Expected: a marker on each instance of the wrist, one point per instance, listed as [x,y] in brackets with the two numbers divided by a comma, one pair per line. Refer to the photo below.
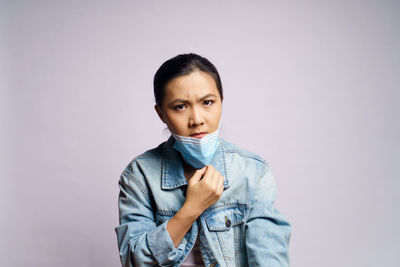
[190,212]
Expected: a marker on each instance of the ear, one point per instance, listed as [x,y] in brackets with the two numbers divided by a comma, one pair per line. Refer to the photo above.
[160,114]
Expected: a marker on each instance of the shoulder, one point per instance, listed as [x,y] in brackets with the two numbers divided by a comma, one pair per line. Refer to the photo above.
[151,153]
[230,148]
[238,156]
[149,159]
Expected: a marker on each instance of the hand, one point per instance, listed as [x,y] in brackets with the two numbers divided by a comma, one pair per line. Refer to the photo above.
[204,189]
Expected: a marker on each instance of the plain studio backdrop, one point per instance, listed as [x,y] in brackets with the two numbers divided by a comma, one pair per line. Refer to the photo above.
[311,86]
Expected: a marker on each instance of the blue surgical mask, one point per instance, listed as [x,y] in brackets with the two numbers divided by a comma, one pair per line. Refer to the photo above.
[197,152]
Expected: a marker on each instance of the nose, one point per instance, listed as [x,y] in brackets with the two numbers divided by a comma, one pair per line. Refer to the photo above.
[196,117]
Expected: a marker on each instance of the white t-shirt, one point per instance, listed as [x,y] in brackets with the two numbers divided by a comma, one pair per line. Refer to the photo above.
[194,258]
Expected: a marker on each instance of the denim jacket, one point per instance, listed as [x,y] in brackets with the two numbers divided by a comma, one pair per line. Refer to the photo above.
[243,228]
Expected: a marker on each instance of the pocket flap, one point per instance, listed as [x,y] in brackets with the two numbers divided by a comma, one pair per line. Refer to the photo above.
[223,218]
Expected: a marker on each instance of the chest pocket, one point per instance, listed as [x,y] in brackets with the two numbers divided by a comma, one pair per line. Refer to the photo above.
[226,218]
[226,226]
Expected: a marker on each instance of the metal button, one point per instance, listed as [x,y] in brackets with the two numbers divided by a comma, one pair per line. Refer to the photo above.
[228,223]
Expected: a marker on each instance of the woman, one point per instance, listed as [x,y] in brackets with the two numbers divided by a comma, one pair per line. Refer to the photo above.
[196,199]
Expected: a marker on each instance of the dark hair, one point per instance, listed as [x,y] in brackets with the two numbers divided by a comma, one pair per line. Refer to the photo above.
[180,65]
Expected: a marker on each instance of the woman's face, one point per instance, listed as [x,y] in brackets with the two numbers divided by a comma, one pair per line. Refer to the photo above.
[192,105]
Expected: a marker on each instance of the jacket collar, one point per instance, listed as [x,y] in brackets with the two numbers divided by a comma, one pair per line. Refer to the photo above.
[172,174]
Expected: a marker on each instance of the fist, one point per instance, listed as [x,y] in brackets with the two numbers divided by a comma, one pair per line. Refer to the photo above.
[204,189]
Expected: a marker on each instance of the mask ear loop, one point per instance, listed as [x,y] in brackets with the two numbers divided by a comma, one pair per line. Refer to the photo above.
[219,125]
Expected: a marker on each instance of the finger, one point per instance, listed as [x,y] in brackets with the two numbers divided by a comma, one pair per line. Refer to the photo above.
[208,175]
[221,189]
[198,174]
[216,179]
[221,183]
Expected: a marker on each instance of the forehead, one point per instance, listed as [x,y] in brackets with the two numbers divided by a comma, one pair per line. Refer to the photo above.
[194,84]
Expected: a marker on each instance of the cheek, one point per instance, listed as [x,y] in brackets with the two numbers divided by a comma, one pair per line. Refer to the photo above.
[215,116]
[175,121]
[216,111]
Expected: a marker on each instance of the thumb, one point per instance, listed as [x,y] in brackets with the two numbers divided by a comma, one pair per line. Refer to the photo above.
[198,174]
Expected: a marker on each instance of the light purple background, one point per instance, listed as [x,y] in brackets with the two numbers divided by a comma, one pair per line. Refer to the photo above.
[312,86]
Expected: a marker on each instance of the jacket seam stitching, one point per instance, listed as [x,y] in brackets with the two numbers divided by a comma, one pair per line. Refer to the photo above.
[265,170]
[246,155]
[136,181]
[147,156]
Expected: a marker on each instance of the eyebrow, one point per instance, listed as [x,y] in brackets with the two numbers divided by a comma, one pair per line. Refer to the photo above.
[198,100]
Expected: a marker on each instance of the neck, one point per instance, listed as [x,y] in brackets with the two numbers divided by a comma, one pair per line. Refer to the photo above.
[187,169]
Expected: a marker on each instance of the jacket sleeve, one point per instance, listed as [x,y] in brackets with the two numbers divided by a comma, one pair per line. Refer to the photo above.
[140,241]
[267,231]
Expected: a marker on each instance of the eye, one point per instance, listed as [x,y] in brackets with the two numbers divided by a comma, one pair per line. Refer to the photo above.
[208,102]
[179,107]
